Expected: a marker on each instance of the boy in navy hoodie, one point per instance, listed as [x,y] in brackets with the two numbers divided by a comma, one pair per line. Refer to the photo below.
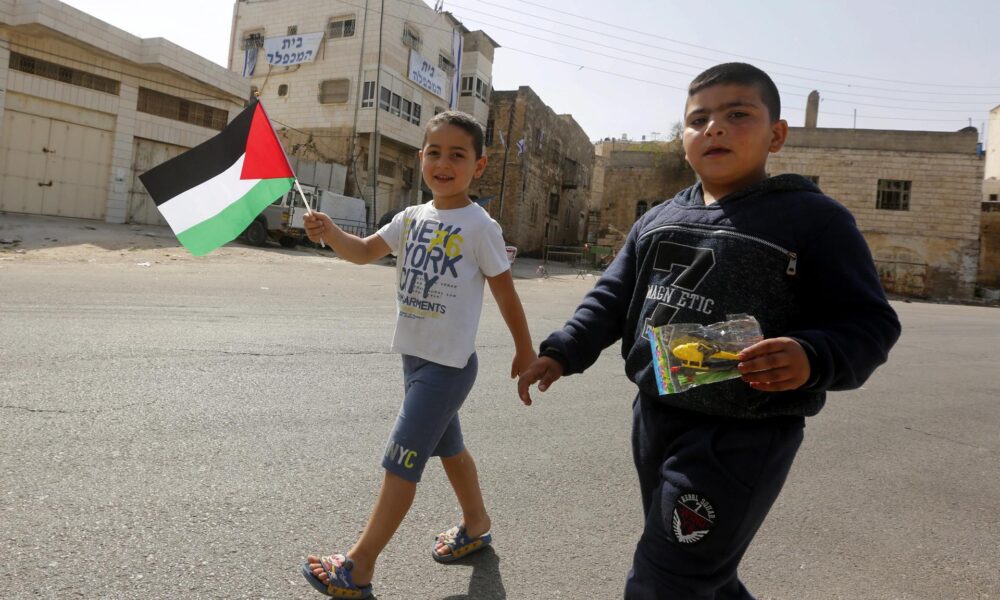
[712,460]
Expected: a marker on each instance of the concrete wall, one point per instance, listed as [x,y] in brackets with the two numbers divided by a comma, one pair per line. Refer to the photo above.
[56,33]
[930,250]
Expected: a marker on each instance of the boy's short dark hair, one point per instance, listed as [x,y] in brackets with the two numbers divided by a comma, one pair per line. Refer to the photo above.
[463,121]
[741,74]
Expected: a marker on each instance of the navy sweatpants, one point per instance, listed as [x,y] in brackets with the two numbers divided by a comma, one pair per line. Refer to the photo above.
[707,483]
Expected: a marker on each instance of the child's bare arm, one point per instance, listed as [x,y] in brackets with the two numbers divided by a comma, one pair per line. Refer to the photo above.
[775,365]
[320,227]
[502,287]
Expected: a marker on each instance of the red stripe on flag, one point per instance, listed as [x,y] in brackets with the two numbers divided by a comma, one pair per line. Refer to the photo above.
[265,158]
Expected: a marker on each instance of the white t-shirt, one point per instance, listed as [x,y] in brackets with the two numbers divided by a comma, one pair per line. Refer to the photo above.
[441,268]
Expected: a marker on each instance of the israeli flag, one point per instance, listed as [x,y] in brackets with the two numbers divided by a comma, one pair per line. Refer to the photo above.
[250,60]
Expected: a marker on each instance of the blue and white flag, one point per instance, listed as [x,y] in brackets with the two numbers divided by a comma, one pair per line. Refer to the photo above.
[250,60]
[520,146]
[456,81]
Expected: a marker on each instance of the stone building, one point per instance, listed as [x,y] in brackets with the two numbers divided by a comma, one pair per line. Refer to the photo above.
[915,195]
[538,178]
[86,107]
[371,72]
[630,177]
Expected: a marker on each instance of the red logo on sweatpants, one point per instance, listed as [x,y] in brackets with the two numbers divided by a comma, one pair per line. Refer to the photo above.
[693,518]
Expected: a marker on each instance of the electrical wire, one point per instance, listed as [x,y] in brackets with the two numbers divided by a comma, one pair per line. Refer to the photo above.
[661,37]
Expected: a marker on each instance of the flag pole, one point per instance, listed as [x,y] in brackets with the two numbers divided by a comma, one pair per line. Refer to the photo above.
[309,209]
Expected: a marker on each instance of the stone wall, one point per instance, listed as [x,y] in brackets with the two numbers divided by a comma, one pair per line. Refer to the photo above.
[539,196]
[931,249]
[634,177]
[989,246]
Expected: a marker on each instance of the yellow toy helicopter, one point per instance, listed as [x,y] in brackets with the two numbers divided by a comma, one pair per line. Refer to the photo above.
[703,357]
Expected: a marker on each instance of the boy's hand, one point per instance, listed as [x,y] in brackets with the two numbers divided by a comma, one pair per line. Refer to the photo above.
[316,225]
[544,370]
[522,361]
[775,365]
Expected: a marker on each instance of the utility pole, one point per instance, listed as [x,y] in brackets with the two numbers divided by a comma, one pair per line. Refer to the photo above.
[352,146]
[375,143]
[506,150]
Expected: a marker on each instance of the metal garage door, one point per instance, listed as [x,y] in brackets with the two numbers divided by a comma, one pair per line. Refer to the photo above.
[146,155]
[53,167]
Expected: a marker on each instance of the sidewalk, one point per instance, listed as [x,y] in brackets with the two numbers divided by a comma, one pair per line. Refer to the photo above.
[36,237]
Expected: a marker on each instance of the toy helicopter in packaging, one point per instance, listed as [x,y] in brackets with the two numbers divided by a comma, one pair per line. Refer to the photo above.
[688,354]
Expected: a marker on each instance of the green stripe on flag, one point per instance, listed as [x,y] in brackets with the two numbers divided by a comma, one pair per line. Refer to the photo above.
[234,219]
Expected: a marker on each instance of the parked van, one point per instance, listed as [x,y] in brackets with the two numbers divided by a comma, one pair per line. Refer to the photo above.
[282,221]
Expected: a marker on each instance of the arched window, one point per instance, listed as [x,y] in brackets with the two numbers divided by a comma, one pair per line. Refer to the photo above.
[640,208]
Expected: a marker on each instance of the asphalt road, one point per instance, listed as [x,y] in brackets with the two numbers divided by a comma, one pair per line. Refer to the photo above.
[194,429]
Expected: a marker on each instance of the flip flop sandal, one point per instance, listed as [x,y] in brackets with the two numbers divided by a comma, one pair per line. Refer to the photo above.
[460,543]
[338,574]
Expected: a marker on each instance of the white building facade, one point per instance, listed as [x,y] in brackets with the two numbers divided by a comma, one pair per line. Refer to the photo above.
[991,170]
[367,72]
[86,107]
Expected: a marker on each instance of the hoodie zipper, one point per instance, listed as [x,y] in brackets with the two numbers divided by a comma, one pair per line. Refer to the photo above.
[793,259]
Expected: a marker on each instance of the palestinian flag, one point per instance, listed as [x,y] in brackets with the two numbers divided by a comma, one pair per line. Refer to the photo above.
[212,192]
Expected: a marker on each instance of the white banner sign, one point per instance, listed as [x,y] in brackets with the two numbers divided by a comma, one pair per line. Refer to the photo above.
[428,75]
[292,49]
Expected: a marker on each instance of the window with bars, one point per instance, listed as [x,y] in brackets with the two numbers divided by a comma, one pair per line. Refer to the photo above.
[553,204]
[488,137]
[171,107]
[293,30]
[893,194]
[368,95]
[386,167]
[445,64]
[334,91]
[253,40]
[42,68]
[340,27]
[411,37]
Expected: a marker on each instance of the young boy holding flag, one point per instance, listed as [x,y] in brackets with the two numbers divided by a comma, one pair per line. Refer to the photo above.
[446,249]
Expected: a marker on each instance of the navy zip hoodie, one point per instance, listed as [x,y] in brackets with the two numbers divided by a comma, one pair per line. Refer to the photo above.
[781,251]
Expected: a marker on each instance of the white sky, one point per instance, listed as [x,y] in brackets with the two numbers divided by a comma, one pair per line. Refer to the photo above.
[915,64]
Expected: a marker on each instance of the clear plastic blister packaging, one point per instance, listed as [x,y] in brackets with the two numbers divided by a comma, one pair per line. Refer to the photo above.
[687,355]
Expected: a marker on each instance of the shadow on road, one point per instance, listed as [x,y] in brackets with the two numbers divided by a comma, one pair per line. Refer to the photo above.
[485,582]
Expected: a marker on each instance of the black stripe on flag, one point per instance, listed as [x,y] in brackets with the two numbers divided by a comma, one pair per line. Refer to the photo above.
[201,163]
